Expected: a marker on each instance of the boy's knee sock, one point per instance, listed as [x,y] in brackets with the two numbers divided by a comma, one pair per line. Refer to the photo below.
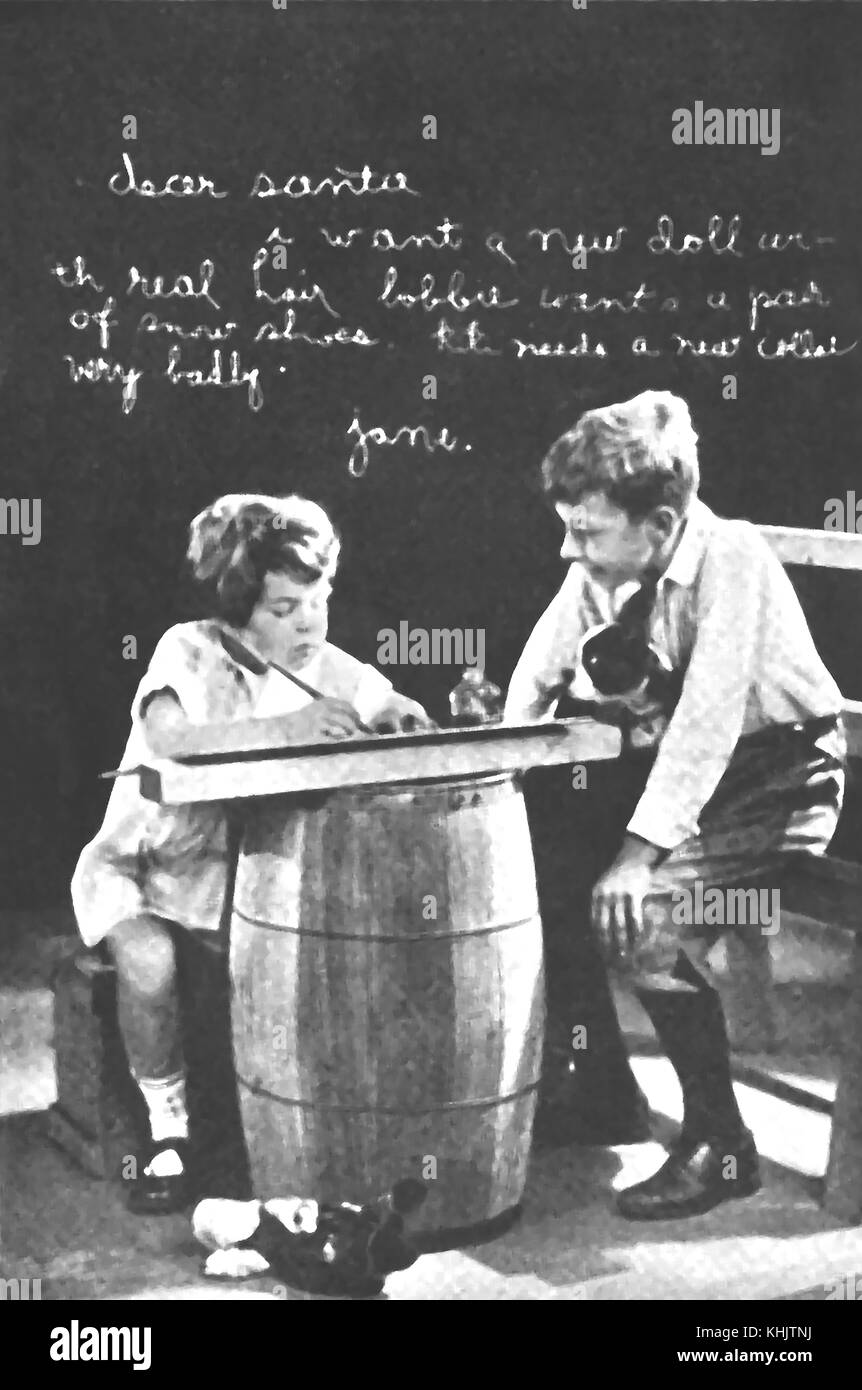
[691,1030]
[580,997]
[166,1102]
[602,1065]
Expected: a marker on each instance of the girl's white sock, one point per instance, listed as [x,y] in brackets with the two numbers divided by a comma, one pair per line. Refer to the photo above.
[166,1103]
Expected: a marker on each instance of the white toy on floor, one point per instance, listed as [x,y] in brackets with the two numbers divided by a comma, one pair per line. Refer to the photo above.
[342,1250]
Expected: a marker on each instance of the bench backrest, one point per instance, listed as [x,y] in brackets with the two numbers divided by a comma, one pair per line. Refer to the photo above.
[839,550]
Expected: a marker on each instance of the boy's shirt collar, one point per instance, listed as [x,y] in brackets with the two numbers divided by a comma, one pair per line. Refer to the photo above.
[686,559]
[682,570]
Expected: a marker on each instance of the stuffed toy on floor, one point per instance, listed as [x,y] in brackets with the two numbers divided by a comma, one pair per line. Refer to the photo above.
[342,1251]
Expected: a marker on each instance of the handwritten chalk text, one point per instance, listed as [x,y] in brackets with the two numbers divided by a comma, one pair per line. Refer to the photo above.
[360,454]
[100,369]
[759,300]
[205,188]
[151,323]
[631,302]
[346,337]
[82,319]
[300,185]
[692,245]
[217,375]
[580,245]
[781,241]
[582,348]
[429,300]
[306,295]
[81,276]
[801,345]
[460,340]
[183,288]
[383,240]
[727,347]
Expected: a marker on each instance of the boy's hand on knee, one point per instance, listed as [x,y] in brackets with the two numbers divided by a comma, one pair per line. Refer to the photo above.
[618,898]
[618,907]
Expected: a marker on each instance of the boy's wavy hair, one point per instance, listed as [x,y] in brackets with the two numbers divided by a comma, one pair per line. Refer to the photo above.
[242,537]
[641,454]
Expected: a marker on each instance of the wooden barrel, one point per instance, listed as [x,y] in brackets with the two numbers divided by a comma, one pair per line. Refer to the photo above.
[388,995]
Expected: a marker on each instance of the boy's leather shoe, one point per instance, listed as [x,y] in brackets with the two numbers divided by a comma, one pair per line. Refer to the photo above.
[693,1179]
[156,1196]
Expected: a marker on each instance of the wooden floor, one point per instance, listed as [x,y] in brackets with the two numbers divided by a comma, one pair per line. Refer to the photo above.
[75,1234]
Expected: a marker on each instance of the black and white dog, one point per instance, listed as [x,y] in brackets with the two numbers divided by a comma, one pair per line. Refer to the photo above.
[342,1251]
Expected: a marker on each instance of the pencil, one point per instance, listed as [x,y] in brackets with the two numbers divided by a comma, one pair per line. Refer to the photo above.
[259,663]
[256,663]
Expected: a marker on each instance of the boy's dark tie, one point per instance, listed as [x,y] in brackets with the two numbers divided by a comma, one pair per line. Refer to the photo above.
[618,658]
[635,614]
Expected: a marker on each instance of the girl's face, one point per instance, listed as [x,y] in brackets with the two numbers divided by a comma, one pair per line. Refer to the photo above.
[290,620]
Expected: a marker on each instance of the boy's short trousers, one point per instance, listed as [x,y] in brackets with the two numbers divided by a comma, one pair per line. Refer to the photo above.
[781,794]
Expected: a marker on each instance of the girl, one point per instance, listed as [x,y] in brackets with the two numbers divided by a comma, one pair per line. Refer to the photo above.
[265,566]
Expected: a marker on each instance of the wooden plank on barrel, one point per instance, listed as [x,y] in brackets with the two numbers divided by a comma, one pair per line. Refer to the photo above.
[246,738]
[378,762]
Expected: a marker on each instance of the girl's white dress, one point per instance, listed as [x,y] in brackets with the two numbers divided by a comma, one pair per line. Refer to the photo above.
[173,861]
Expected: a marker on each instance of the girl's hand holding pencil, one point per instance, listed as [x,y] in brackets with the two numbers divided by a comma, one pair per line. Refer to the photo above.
[324,718]
[399,714]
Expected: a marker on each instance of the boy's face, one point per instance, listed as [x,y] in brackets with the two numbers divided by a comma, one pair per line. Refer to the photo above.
[290,621]
[611,547]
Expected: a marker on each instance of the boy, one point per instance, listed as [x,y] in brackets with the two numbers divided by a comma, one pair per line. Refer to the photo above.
[749,756]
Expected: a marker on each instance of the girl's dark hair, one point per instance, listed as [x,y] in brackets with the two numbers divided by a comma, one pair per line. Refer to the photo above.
[240,538]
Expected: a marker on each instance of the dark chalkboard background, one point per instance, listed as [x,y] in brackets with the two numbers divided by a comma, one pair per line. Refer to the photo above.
[546,117]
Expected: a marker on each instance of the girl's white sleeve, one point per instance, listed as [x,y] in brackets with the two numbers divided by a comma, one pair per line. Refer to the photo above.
[372,692]
[193,669]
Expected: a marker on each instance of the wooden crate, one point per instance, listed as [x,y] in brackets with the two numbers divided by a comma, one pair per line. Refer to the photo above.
[98,1107]
[100,1118]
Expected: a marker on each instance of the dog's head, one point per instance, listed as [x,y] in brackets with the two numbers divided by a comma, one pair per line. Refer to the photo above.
[615,661]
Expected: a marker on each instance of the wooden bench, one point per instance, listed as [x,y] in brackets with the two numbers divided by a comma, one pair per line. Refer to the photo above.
[828,891]
[99,1119]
